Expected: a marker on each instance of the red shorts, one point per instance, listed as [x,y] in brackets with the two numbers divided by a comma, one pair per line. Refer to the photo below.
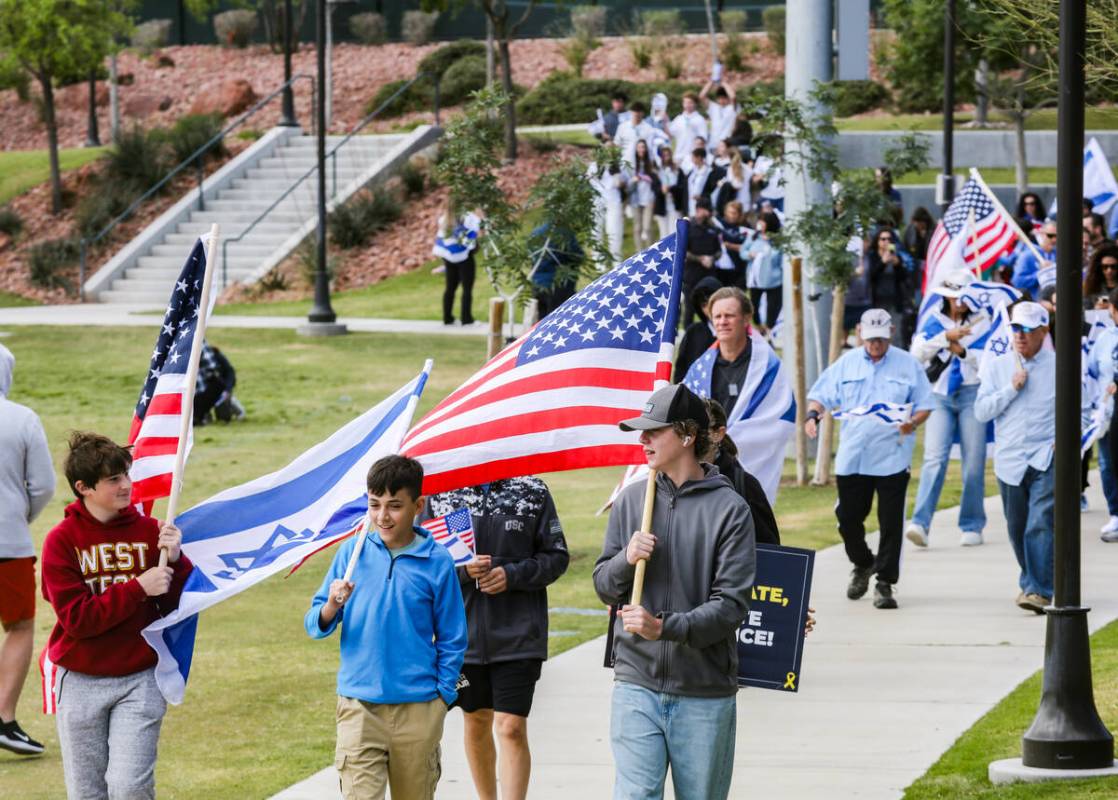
[17,589]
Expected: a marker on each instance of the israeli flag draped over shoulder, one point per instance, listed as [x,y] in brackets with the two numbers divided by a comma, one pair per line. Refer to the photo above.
[764,416]
[1098,406]
[457,247]
[241,536]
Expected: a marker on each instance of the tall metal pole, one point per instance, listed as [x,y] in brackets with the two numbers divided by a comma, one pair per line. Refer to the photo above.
[288,120]
[1067,732]
[321,311]
[947,180]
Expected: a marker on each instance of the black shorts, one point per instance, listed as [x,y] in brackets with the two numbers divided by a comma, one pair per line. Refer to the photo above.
[507,686]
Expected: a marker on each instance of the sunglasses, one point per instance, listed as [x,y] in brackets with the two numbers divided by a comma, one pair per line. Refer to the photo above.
[1021,328]
[1109,265]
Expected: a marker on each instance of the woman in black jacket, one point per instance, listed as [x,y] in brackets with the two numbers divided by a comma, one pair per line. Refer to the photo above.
[724,455]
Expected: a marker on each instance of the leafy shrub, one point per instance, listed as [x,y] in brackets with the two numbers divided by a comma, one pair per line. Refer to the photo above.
[47,261]
[191,132]
[151,35]
[640,49]
[235,28]
[576,51]
[543,144]
[464,77]
[369,28]
[420,96]
[412,178]
[561,97]
[774,18]
[139,158]
[418,26]
[274,281]
[10,221]
[352,224]
[101,206]
[733,53]
[733,21]
[14,76]
[437,62]
[671,65]
[662,23]
[306,257]
[858,97]
[588,22]
[249,134]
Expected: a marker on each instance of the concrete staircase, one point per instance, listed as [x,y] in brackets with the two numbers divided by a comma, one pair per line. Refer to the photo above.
[146,269]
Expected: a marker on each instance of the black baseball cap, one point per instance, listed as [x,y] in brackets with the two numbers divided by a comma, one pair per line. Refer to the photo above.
[674,403]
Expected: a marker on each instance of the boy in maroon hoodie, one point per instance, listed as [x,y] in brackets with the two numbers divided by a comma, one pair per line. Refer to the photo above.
[101,574]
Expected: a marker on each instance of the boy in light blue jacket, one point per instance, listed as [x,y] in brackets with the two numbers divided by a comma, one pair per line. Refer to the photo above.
[403,640]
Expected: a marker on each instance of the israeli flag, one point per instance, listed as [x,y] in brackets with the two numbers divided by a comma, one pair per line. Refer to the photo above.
[457,247]
[1099,183]
[1096,424]
[987,296]
[998,339]
[885,413]
[241,536]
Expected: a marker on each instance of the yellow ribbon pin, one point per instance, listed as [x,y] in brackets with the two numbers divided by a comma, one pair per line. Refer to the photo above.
[790,681]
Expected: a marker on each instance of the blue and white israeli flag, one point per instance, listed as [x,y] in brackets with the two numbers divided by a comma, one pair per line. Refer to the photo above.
[241,536]
[885,413]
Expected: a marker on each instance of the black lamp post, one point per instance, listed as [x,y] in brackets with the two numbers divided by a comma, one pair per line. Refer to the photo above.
[1067,732]
[322,319]
[946,185]
[288,120]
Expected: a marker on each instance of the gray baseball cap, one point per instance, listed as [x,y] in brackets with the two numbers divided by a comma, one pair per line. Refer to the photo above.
[670,404]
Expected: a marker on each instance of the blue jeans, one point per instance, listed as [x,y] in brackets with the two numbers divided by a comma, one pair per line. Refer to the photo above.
[1028,516]
[1107,476]
[954,413]
[649,730]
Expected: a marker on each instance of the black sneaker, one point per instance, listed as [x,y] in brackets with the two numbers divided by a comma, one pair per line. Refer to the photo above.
[859,582]
[883,595]
[12,737]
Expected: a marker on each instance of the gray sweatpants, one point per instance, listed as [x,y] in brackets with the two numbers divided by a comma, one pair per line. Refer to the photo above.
[108,728]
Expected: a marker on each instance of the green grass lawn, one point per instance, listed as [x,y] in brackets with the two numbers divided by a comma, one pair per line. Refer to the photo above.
[1043,120]
[21,170]
[9,300]
[239,734]
[960,774]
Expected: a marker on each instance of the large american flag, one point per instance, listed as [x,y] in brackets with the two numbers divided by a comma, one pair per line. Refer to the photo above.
[551,400]
[155,425]
[972,235]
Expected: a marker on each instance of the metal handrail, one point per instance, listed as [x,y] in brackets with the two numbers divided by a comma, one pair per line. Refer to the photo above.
[196,156]
[332,155]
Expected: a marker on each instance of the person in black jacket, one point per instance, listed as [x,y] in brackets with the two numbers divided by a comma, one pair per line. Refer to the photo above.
[723,453]
[520,551]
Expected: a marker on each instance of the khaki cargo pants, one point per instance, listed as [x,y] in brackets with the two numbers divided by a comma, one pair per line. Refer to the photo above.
[389,746]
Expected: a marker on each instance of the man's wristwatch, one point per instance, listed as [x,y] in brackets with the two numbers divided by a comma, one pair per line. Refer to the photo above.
[813,415]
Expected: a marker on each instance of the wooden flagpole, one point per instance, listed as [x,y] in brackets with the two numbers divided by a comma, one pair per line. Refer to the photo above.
[994,199]
[356,554]
[646,527]
[191,378]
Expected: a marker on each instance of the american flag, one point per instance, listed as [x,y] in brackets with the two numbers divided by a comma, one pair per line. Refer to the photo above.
[972,235]
[155,425]
[455,532]
[551,401]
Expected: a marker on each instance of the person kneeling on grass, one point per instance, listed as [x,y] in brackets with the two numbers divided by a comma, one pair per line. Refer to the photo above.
[403,641]
[102,576]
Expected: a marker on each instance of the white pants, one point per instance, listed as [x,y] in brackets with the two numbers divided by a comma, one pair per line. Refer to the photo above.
[610,221]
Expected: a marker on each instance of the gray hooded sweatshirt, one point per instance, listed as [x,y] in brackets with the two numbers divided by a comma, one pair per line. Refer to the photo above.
[698,581]
[26,473]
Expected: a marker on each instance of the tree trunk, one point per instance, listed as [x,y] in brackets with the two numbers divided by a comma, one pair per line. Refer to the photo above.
[52,143]
[510,107]
[1022,166]
[92,135]
[827,425]
[982,104]
[114,100]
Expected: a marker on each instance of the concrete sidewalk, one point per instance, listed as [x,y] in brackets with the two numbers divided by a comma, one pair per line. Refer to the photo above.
[103,314]
[884,694]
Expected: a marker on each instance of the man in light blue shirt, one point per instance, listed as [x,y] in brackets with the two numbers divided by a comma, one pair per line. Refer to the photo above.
[884,395]
[1017,390]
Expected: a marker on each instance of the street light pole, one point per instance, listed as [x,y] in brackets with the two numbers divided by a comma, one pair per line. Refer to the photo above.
[945,189]
[288,120]
[322,321]
[1067,733]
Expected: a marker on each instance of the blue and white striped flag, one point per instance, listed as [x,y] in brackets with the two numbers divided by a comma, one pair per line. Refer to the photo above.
[885,413]
[1096,424]
[1099,183]
[987,296]
[462,240]
[243,535]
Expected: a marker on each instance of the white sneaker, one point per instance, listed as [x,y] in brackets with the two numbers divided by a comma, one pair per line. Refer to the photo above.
[1110,527]
[970,539]
[917,534]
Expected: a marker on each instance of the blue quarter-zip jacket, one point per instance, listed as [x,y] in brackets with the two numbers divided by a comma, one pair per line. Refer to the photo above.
[404,626]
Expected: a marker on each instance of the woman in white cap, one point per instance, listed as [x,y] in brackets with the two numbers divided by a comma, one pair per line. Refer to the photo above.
[943,346]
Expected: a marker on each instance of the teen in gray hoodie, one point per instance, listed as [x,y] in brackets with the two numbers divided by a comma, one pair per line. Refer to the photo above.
[26,486]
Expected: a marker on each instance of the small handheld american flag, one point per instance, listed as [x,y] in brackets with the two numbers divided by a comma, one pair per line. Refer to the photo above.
[156,423]
[455,532]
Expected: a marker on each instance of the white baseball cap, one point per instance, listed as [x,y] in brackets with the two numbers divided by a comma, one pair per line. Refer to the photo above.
[955,283]
[1029,315]
[876,324]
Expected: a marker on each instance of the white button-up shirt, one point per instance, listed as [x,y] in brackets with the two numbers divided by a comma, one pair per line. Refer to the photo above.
[1025,420]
